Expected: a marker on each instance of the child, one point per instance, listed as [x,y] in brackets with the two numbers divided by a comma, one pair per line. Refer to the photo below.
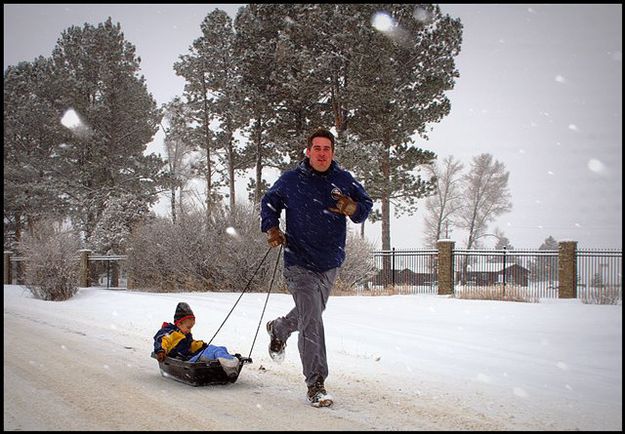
[175,340]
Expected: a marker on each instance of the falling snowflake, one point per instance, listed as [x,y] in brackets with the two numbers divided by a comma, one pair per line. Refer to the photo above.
[382,22]
[70,119]
[596,166]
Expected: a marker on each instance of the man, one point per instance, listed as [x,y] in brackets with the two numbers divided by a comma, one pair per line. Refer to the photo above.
[318,196]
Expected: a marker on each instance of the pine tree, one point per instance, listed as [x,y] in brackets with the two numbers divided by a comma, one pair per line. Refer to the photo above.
[103,158]
[257,27]
[33,138]
[212,91]
[545,268]
[178,149]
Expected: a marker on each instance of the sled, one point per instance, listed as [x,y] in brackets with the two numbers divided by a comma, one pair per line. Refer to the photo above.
[203,373]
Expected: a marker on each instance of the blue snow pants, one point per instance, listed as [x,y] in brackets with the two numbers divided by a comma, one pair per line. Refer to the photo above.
[212,352]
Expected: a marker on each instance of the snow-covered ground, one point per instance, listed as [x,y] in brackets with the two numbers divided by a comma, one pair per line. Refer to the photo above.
[422,362]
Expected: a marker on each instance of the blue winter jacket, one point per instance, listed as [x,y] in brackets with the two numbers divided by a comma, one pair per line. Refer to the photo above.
[315,236]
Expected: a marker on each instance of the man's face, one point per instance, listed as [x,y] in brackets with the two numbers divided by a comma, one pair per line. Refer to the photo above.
[320,153]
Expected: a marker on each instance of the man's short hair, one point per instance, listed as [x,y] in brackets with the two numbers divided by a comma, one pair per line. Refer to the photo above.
[321,132]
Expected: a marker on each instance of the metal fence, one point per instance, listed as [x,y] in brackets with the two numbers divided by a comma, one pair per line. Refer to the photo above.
[104,271]
[507,274]
[599,275]
[407,271]
[108,271]
[525,274]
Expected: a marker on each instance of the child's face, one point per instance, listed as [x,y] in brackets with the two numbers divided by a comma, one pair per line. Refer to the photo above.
[186,325]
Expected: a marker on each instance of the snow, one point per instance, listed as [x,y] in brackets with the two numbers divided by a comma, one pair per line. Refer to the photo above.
[70,119]
[396,362]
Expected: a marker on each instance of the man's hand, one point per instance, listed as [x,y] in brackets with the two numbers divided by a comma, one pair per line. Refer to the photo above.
[160,356]
[275,237]
[345,205]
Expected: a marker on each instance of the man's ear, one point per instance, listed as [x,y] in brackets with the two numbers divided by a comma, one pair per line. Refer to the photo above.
[308,152]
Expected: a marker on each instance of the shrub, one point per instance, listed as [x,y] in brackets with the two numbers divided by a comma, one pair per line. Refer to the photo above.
[193,255]
[358,266]
[52,265]
[196,255]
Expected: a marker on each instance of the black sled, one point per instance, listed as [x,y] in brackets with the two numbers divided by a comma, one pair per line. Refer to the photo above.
[199,373]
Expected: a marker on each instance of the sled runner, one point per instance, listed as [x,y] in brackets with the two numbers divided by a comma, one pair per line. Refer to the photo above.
[199,373]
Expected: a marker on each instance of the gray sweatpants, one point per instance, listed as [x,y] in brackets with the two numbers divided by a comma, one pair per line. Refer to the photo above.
[310,290]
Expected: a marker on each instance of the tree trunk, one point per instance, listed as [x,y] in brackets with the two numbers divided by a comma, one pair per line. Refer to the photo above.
[180,207]
[386,200]
[231,170]
[207,139]
[259,160]
[173,205]
[18,227]
[387,266]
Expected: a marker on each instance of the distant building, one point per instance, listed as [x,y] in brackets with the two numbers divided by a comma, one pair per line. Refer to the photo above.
[492,273]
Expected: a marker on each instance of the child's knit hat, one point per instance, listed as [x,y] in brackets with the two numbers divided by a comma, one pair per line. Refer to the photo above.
[183,311]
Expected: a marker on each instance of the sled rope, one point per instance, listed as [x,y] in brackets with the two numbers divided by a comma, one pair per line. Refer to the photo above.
[243,292]
[245,289]
[260,321]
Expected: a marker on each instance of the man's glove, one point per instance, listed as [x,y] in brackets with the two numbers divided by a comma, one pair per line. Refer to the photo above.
[275,237]
[160,356]
[345,205]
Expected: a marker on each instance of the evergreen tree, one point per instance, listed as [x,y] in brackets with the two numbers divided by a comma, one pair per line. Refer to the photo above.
[33,136]
[120,217]
[103,159]
[545,267]
[300,89]
[212,91]
[400,89]
[256,28]
[178,148]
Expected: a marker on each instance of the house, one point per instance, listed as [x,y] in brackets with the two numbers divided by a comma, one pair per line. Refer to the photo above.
[492,273]
[405,277]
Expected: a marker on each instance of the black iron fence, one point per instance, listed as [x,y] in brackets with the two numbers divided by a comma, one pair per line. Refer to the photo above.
[524,274]
[407,271]
[108,271]
[599,275]
[515,274]
[102,270]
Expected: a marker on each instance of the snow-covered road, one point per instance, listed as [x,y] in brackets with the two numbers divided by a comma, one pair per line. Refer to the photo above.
[81,380]
[84,365]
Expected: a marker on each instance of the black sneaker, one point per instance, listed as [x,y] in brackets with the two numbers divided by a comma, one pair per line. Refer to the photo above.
[318,397]
[276,346]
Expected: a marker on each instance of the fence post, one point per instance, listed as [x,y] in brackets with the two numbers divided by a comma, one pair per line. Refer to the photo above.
[393,268]
[567,269]
[7,267]
[445,267]
[84,267]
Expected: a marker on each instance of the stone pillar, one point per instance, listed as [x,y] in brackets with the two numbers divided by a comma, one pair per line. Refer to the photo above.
[84,267]
[7,267]
[567,269]
[445,267]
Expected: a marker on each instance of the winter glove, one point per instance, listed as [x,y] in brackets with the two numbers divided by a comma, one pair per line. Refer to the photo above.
[345,205]
[160,356]
[275,237]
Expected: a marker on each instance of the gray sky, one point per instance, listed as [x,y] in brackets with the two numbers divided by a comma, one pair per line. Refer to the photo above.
[540,89]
